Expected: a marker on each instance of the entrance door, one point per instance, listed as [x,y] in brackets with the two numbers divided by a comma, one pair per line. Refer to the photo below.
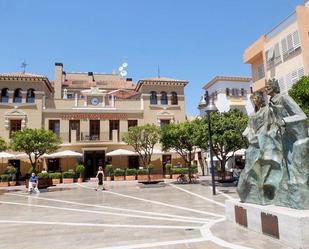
[165,159]
[53,164]
[133,162]
[93,160]
[16,165]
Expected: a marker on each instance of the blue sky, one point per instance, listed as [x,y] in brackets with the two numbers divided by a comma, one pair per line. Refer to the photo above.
[193,40]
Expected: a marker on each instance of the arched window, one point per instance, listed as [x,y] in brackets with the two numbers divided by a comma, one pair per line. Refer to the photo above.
[5,95]
[164,100]
[17,96]
[174,98]
[30,96]
[153,98]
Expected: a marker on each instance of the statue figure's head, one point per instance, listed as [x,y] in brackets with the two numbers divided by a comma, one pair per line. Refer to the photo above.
[272,87]
[258,100]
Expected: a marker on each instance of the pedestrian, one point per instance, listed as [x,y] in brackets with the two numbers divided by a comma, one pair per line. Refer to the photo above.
[100,176]
[33,183]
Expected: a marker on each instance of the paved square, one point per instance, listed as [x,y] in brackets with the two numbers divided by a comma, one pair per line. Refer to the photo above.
[124,216]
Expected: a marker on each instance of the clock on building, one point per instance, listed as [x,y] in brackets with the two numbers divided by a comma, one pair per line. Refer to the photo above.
[94,101]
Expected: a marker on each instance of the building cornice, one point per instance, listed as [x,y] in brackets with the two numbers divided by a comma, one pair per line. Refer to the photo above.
[160,82]
[240,79]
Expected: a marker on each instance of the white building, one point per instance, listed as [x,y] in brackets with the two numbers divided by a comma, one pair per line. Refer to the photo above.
[228,93]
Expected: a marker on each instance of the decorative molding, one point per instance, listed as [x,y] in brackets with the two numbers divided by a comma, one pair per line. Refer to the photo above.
[15,114]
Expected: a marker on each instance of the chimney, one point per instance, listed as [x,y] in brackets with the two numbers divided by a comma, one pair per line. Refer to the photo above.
[58,80]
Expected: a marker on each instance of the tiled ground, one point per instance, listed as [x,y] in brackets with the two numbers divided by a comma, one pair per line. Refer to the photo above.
[124,216]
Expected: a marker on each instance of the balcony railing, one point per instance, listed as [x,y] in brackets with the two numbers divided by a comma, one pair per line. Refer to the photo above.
[87,137]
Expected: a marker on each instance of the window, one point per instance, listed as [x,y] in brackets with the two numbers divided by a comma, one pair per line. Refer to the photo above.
[242,92]
[227,91]
[15,125]
[17,96]
[54,125]
[113,125]
[94,128]
[164,122]
[174,98]
[30,96]
[163,99]
[132,123]
[74,125]
[5,95]
[290,43]
[260,72]
[153,98]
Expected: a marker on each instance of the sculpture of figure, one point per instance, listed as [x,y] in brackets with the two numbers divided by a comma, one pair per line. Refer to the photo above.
[277,165]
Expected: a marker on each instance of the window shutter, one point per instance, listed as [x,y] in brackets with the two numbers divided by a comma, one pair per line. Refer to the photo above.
[289,81]
[290,43]
[282,85]
[277,53]
[296,41]
[284,47]
[294,77]
[301,73]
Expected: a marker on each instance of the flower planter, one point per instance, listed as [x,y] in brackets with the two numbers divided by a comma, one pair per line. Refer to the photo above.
[43,183]
[118,178]
[12,183]
[130,178]
[80,180]
[142,177]
[4,184]
[108,178]
[56,181]
[67,180]
[175,176]
[156,177]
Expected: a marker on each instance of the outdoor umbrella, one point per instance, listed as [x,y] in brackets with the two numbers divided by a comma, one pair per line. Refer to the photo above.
[6,155]
[121,152]
[64,154]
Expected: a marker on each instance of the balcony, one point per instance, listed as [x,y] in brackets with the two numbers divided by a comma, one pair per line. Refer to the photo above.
[87,137]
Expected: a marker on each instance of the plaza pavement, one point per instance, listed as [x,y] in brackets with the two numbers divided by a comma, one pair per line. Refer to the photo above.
[123,216]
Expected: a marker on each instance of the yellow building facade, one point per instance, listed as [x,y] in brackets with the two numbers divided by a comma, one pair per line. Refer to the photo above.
[90,112]
[282,53]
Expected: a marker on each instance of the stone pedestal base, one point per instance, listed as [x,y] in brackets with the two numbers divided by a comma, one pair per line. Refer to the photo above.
[290,226]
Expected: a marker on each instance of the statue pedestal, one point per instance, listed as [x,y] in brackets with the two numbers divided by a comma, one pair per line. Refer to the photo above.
[289,226]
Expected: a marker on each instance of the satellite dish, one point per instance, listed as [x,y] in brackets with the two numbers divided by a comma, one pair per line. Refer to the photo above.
[123,73]
[124,65]
[120,69]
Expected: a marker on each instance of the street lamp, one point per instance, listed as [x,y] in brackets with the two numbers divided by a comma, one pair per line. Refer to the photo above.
[209,109]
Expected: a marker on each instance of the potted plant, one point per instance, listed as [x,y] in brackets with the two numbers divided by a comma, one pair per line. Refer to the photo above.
[142,174]
[119,174]
[4,180]
[168,168]
[11,171]
[44,180]
[80,169]
[56,177]
[109,171]
[68,176]
[130,174]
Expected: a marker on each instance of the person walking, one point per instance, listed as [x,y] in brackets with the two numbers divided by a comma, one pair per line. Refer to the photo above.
[100,176]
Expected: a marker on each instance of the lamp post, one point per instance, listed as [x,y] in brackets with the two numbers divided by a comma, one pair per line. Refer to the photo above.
[209,109]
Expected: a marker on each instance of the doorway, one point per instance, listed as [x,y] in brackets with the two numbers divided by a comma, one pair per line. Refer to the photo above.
[165,160]
[53,164]
[93,160]
[16,165]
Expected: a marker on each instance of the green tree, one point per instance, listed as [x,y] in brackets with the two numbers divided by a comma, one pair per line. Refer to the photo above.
[3,145]
[35,142]
[227,128]
[143,139]
[300,93]
[181,138]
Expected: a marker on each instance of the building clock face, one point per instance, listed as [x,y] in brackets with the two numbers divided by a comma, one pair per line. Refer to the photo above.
[94,101]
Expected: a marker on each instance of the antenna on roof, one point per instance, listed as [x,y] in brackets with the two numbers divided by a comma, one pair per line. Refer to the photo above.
[159,71]
[24,65]
[123,69]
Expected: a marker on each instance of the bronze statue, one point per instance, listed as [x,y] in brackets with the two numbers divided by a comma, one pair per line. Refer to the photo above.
[277,163]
